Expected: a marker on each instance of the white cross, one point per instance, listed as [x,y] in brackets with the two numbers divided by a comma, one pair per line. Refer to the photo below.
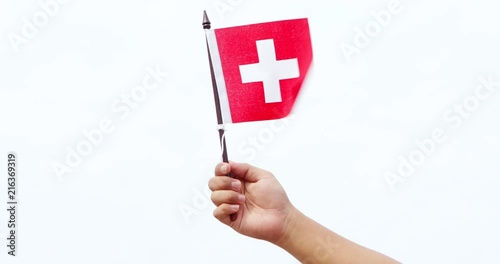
[269,70]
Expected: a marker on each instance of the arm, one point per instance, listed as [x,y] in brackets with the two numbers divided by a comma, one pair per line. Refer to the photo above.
[310,242]
[263,211]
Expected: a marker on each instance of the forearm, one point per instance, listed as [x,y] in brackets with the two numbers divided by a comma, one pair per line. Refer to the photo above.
[311,242]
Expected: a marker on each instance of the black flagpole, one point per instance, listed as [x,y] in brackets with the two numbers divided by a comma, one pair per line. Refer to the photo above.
[207,25]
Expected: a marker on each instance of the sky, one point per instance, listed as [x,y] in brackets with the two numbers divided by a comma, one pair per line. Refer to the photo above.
[393,142]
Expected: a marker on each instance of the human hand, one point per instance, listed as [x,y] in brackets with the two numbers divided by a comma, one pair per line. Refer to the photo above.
[260,203]
[263,211]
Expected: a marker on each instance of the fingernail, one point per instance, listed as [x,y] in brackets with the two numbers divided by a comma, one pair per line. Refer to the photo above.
[223,169]
[241,197]
[235,207]
[236,185]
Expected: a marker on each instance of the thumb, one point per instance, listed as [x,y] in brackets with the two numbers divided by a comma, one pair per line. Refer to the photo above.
[248,172]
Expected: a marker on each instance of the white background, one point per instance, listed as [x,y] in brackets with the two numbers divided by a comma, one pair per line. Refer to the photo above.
[352,122]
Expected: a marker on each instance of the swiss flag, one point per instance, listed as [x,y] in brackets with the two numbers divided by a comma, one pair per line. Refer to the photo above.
[260,68]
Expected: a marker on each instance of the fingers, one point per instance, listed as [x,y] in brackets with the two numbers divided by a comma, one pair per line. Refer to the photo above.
[242,171]
[224,211]
[228,202]
[226,193]
[226,190]
[224,183]
[227,197]
[222,169]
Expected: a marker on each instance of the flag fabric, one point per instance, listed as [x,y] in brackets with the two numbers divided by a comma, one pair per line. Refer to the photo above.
[260,68]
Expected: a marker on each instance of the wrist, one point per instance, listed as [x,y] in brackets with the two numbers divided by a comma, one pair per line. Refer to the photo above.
[290,226]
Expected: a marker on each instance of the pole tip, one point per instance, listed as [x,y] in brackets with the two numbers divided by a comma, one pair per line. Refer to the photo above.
[206,22]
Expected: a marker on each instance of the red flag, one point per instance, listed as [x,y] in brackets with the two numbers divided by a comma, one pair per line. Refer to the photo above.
[259,69]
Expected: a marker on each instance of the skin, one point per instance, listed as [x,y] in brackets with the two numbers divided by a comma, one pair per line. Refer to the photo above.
[263,211]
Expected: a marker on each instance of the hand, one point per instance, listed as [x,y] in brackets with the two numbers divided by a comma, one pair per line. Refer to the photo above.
[260,203]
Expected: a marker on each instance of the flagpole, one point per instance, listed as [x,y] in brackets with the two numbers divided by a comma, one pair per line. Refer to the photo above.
[207,25]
